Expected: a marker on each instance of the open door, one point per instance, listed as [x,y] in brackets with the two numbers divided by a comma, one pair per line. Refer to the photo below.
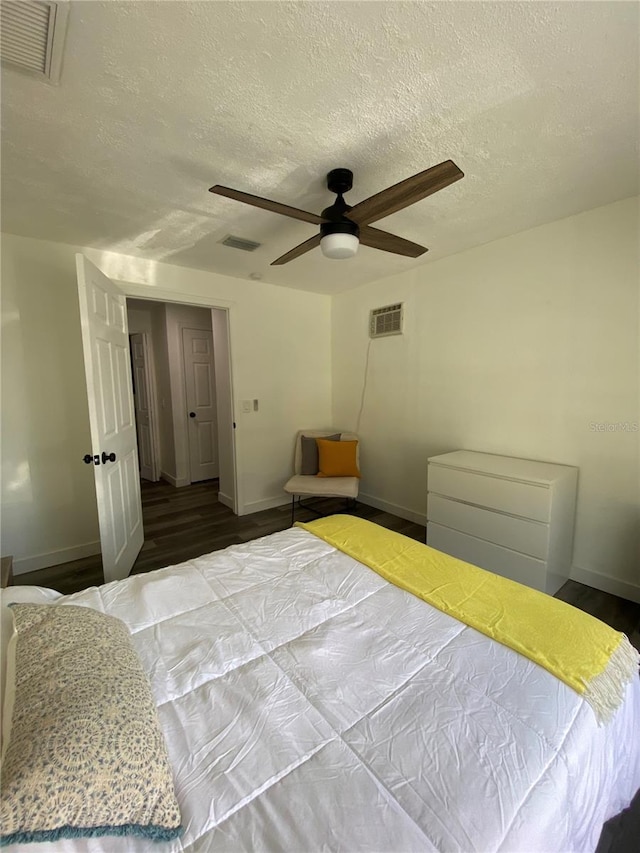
[114,453]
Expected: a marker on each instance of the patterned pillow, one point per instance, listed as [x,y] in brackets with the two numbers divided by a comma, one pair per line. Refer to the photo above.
[86,755]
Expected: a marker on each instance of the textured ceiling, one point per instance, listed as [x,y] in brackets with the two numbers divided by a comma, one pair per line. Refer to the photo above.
[537,103]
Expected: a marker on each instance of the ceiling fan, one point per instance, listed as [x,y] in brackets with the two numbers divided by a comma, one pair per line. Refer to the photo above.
[342,227]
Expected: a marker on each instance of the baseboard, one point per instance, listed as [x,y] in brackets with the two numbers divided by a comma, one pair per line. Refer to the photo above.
[173,481]
[605,583]
[265,503]
[23,565]
[394,509]
[225,500]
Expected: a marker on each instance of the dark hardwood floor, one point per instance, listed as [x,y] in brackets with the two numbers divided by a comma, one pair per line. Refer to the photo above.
[183,523]
[180,524]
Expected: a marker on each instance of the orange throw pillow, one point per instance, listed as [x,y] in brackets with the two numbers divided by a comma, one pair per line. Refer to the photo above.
[337,458]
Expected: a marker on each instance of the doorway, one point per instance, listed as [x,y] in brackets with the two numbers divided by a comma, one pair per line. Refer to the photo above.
[108,375]
[189,400]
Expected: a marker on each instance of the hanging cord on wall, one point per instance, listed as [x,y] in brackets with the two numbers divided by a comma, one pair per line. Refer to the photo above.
[364,387]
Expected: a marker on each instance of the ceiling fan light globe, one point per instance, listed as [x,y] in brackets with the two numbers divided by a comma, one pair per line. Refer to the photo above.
[339,246]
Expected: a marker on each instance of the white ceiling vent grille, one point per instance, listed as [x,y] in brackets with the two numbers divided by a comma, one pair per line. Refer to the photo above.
[240,243]
[385,321]
[32,36]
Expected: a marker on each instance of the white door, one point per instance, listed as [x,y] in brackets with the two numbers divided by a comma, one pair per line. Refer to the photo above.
[103,316]
[197,348]
[142,399]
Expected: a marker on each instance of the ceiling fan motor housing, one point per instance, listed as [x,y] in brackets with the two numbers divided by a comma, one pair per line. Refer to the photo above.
[340,226]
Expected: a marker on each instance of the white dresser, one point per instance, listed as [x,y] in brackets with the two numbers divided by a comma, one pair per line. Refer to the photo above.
[512,516]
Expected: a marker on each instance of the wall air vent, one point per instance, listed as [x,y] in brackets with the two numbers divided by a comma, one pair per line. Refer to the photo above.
[32,36]
[386,321]
[240,243]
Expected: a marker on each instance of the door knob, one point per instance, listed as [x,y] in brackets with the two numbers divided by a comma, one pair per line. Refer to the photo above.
[88,459]
[108,457]
[192,414]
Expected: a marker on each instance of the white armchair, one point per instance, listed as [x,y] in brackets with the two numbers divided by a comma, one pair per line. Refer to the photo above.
[306,485]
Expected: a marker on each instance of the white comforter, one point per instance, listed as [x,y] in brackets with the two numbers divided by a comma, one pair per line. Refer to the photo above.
[309,705]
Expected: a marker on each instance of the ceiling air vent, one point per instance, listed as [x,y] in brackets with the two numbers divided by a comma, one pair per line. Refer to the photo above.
[32,36]
[385,321]
[240,243]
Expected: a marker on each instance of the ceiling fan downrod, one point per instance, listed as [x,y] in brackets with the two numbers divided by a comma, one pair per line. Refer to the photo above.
[339,181]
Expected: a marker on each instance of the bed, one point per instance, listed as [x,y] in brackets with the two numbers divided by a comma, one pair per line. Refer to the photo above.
[308,704]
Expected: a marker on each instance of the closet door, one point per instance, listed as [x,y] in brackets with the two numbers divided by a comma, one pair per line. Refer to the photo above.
[197,347]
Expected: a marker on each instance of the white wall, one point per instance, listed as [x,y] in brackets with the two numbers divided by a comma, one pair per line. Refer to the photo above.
[516,347]
[48,512]
[280,341]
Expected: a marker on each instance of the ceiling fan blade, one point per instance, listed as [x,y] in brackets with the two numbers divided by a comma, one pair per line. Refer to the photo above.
[267,204]
[405,193]
[309,244]
[377,239]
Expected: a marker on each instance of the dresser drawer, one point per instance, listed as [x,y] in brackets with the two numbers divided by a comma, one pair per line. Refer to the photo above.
[527,500]
[519,534]
[495,558]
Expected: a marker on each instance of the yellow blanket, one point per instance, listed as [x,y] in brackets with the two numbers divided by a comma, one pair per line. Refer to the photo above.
[577,648]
